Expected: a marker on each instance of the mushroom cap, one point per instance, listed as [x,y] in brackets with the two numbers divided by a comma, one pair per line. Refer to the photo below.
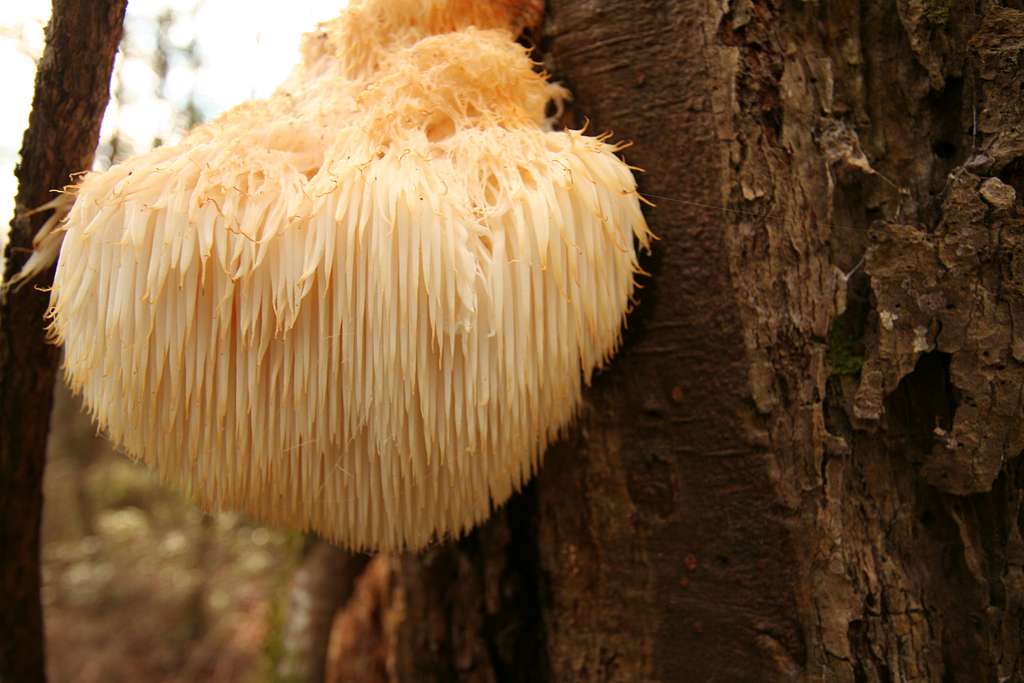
[365,305]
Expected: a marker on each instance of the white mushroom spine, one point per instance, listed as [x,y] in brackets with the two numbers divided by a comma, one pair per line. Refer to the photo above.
[366,305]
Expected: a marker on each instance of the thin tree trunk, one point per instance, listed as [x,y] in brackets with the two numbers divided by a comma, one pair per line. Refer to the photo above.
[804,464]
[70,96]
[323,582]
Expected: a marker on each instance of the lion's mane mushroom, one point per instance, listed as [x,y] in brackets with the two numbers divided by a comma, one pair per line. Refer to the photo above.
[367,304]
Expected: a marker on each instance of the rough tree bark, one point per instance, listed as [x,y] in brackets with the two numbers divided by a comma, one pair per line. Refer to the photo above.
[804,464]
[71,93]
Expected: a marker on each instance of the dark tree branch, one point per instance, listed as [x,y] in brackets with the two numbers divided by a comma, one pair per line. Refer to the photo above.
[71,94]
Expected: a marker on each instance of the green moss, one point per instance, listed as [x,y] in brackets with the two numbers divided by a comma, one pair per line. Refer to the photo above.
[937,11]
[274,648]
[845,354]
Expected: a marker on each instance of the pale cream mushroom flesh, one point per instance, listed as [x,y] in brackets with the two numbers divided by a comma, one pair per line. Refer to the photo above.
[367,304]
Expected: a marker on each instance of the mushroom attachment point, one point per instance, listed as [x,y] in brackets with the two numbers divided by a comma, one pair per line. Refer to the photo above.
[367,304]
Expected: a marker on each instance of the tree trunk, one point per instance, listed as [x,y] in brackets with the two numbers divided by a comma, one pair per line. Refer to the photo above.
[71,94]
[323,582]
[804,463]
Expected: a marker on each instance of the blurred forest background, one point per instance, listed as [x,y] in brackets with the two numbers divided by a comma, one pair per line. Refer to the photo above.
[138,584]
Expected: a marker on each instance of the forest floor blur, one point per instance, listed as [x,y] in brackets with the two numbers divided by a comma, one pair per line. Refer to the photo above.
[138,585]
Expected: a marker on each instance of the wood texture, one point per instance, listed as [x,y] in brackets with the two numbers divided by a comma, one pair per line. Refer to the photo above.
[71,93]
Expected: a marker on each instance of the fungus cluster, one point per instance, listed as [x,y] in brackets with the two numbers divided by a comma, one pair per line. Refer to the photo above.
[366,304]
